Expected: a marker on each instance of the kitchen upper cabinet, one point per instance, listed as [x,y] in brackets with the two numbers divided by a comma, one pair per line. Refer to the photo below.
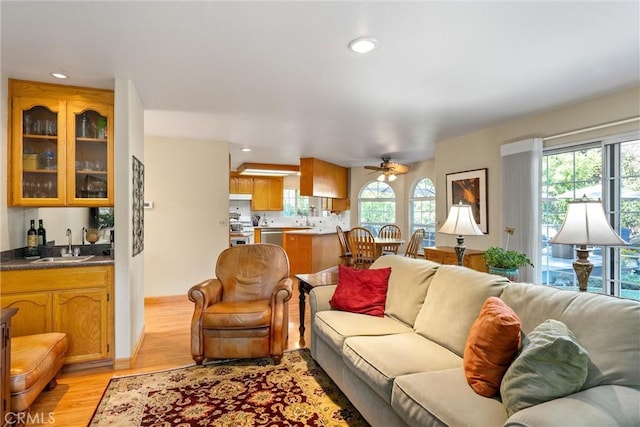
[322,179]
[268,193]
[239,184]
[335,205]
[60,145]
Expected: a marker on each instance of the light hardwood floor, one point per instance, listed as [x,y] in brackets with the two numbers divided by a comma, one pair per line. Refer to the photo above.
[166,345]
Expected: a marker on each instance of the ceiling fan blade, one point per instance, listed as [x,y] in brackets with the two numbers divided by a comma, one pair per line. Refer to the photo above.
[375,168]
[398,169]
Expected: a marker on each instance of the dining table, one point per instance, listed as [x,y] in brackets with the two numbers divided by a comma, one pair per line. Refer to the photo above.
[383,242]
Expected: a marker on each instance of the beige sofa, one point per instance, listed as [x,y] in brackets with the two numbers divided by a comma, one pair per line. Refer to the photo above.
[406,368]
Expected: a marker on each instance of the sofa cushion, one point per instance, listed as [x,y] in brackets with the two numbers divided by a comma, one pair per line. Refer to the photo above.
[361,291]
[493,342]
[410,278]
[379,360]
[602,325]
[551,364]
[443,397]
[606,405]
[453,302]
[333,327]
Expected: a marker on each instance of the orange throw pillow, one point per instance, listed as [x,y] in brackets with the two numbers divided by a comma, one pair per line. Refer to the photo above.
[492,344]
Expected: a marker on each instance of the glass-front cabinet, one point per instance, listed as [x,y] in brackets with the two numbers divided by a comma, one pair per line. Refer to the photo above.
[39,133]
[89,173]
[61,146]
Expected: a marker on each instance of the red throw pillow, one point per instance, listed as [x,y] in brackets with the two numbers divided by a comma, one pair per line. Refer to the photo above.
[361,291]
[492,344]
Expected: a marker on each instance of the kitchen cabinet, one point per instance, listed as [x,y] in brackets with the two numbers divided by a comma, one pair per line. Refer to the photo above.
[5,364]
[268,193]
[60,145]
[240,184]
[335,205]
[447,255]
[74,300]
[322,179]
[311,251]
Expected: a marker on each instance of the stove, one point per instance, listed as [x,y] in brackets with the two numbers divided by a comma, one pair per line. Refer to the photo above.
[242,235]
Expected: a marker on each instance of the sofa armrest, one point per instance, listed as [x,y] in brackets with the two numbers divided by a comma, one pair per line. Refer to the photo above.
[319,299]
[606,405]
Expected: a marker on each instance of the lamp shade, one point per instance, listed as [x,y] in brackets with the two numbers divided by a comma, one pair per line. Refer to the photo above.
[586,224]
[460,221]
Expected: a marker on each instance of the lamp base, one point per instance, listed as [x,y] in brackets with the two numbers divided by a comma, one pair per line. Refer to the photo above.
[460,248]
[583,267]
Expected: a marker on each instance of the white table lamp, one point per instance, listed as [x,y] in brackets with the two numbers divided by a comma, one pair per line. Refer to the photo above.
[460,222]
[586,224]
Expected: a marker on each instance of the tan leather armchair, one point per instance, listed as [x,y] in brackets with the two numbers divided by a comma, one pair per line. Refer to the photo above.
[243,312]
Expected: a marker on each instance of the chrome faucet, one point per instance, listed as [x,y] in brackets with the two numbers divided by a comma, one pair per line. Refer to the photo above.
[69,236]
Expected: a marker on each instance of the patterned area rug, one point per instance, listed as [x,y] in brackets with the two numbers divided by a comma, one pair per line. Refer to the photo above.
[251,392]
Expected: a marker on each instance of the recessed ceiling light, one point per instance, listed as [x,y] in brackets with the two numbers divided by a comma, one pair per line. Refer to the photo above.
[246,149]
[363,44]
[59,75]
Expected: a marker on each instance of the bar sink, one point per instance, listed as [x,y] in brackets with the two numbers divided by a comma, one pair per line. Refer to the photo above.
[62,260]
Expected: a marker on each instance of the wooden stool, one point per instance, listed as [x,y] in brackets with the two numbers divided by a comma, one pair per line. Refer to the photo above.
[35,363]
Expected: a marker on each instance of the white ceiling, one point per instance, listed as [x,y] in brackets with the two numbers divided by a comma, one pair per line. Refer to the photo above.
[278,77]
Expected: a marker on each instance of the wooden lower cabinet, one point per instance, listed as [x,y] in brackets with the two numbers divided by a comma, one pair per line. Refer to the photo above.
[447,255]
[310,253]
[77,301]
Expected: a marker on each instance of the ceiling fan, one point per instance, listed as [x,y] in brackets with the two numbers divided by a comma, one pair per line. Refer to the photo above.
[389,169]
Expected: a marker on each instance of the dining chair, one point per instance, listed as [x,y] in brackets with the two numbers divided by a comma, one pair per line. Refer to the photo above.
[363,247]
[390,231]
[413,248]
[346,257]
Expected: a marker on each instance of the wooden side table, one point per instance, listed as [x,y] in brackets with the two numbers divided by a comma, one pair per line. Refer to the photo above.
[447,255]
[5,363]
[306,282]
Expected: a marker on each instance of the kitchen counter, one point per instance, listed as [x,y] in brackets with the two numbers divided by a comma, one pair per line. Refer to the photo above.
[284,227]
[314,231]
[14,260]
[28,264]
[311,250]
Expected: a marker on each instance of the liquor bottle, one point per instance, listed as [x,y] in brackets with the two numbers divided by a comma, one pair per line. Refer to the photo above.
[32,240]
[42,234]
[84,126]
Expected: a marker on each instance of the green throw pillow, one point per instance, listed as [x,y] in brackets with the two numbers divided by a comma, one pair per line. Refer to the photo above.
[550,365]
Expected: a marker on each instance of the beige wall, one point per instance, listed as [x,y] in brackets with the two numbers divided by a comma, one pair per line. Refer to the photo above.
[129,269]
[188,182]
[482,149]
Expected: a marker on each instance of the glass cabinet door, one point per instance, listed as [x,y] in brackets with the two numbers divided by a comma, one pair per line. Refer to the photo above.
[90,164]
[38,161]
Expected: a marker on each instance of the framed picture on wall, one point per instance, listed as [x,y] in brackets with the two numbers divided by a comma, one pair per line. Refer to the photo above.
[470,188]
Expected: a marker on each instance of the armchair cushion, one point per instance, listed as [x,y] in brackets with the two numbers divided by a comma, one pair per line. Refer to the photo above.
[237,315]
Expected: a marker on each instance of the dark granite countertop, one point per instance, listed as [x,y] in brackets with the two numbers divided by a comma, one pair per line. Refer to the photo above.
[26,264]
[14,259]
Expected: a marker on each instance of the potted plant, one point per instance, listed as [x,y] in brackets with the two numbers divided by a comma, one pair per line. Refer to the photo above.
[504,262]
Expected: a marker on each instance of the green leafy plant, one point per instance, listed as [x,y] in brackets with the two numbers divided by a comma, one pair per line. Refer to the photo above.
[502,258]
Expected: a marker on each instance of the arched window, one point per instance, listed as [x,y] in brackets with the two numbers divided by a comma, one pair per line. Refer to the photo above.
[377,202]
[422,210]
